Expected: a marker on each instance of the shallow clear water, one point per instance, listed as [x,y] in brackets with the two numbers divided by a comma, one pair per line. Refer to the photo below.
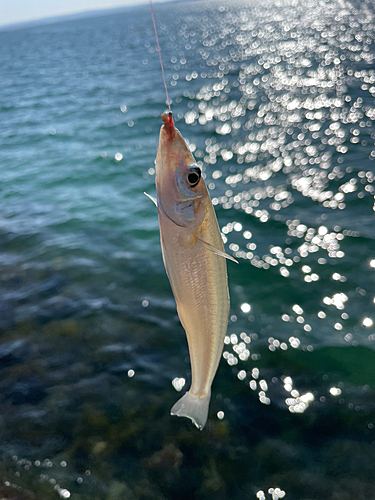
[277,102]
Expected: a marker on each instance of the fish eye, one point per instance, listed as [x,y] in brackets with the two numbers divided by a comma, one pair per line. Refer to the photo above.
[194,176]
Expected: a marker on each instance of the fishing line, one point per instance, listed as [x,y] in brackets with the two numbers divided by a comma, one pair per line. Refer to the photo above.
[161,62]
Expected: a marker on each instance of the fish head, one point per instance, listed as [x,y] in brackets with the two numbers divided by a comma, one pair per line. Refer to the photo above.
[179,183]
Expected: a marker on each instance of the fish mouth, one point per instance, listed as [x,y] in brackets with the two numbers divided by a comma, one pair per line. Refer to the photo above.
[169,127]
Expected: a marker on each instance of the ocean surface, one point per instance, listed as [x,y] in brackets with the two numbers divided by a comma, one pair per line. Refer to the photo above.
[277,101]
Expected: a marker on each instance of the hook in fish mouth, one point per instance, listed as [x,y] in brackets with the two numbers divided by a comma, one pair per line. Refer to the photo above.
[167,118]
[168,122]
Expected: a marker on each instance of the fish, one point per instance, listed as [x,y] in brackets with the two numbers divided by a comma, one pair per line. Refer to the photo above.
[195,263]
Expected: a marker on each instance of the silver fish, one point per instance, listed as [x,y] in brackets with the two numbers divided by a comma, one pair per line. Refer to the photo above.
[194,259]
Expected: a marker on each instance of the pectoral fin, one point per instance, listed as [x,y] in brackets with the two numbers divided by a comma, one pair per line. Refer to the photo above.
[219,252]
[151,198]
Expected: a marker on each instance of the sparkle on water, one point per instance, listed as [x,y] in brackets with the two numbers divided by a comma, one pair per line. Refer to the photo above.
[178,383]
[274,494]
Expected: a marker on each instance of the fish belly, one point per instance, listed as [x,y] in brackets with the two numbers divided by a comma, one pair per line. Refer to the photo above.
[198,278]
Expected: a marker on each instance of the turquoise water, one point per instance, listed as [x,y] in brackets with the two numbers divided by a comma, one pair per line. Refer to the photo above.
[277,102]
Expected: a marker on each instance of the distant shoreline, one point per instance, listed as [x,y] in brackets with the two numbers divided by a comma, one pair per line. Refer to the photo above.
[65,17]
[77,15]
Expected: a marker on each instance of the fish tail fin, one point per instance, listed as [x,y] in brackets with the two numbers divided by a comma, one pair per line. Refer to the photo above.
[194,408]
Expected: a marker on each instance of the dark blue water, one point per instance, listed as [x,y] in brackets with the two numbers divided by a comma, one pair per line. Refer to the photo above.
[277,101]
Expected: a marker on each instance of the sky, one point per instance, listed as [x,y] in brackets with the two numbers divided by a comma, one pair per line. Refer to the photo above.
[17,11]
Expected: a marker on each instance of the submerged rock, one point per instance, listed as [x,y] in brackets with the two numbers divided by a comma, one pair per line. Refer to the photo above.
[119,491]
[166,463]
